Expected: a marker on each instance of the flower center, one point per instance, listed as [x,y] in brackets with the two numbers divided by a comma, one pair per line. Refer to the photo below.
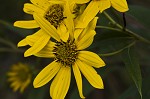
[65,52]
[55,15]
[23,74]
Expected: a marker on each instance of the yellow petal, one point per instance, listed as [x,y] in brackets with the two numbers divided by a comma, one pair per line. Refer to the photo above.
[44,4]
[25,84]
[16,86]
[61,83]
[91,75]
[77,32]
[120,5]
[89,13]
[26,24]
[64,34]
[31,39]
[30,9]
[46,54]
[91,59]
[69,20]
[47,51]
[46,74]
[78,78]
[91,26]
[22,43]
[12,73]
[86,41]
[38,45]
[11,79]
[104,4]
[47,27]
[81,1]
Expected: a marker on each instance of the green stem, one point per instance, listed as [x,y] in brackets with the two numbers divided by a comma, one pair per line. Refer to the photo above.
[10,50]
[12,46]
[112,20]
[126,30]
[7,43]
[116,52]
[109,28]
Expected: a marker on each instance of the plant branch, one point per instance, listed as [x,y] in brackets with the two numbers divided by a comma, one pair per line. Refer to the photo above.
[125,30]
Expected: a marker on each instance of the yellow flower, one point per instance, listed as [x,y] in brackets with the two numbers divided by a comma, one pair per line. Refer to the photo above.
[19,76]
[68,52]
[54,12]
[99,5]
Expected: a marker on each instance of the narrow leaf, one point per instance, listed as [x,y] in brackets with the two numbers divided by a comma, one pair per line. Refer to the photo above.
[130,59]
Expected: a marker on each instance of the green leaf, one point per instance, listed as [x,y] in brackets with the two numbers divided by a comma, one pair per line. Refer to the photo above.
[141,14]
[139,24]
[130,59]
[111,42]
[131,91]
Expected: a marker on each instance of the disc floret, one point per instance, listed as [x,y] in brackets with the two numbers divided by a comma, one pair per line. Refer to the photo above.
[65,52]
[55,14]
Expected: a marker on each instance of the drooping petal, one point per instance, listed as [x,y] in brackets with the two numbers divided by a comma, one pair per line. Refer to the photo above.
[47,27]
[86,41]
[61,83]
[38,45]
[91,75]
[26,24]
[81,1]
[120,5]
[46,74]
[91,59]
[89,13]
[78,78]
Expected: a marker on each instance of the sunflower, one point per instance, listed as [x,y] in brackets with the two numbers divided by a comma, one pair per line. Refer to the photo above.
[99,5]
[68,52]
[54,12]
[20,77]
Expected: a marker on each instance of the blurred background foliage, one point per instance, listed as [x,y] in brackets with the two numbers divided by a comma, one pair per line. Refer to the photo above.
[127,54]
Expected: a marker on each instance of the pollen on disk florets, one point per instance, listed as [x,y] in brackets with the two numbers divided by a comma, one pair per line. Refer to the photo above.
[55,14]
[65,52]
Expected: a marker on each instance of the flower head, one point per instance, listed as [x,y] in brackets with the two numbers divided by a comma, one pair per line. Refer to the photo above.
[19,76]
[68,52]
[52,14]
